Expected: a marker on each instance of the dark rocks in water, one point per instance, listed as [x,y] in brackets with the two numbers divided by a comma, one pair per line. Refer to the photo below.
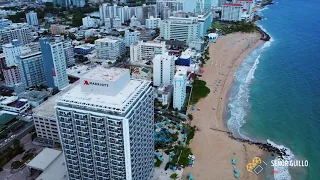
[265,146]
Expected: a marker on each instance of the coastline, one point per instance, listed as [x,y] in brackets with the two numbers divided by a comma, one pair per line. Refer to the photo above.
[226,55]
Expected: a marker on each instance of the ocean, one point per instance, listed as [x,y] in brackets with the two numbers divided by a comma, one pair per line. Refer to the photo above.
[276,93]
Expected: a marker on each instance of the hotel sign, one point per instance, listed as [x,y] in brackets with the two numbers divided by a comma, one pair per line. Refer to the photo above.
[87,83]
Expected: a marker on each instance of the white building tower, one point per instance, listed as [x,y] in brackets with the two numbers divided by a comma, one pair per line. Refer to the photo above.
[179,88]
[163,69]
[106,126]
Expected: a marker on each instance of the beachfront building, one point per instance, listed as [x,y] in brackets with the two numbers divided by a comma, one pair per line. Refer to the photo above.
[32,18]
[31,69]
[54,63]
[106,126]
[131,36]
[142,50]
[179,89]
[153,23]
[231,12]
[205,21]
[182,29]
[163,69]
[248,5]
[109,48]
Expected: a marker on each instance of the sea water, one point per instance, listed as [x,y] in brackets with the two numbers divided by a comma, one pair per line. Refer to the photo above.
[276,93]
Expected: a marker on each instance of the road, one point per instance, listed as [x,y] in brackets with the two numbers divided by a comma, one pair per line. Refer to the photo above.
[28,128]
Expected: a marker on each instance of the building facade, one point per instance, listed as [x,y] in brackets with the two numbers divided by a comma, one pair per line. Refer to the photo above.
[163,69]
[106,126]
[131,36]
[31,69]
[78,3]
[231,12]
[89,22]
[182,29]
[152,22]
[11,51]
[11,75]
[179,88]
[57,29]
[69,53]
[32,18]
[141,50]
[54,63]
[5,23]
[205,21]
[109,48]
[21,32]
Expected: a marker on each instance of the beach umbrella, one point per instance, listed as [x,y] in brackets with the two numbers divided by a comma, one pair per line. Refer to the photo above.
[236,175]
[191,176]
[236,170]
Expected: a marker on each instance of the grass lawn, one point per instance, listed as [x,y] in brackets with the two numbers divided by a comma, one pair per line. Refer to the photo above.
[158,163]
[199,91]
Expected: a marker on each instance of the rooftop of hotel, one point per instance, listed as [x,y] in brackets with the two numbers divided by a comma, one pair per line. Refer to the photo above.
[46,109]
[104,74]
[118,103]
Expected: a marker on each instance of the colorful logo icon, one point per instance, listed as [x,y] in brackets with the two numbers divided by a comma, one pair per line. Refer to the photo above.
[253,164]
[86,82]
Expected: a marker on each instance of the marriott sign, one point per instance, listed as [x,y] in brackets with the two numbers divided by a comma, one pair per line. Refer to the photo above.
[87,83]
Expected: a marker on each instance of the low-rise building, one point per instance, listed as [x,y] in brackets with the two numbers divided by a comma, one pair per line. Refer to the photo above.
[14,104]
[45,119]
[57,29]
[51,164]
[164,94]
[84,49]
[35,98]
[141,73]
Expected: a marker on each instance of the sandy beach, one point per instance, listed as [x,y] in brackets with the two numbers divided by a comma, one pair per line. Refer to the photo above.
[214,149]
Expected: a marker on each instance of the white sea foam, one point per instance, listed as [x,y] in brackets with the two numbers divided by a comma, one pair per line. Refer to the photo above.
[239,101]
[283,170]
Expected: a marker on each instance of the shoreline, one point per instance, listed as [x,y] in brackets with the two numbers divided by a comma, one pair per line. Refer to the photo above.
[226,55]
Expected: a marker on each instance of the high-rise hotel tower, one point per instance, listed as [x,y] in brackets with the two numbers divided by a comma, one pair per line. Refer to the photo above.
[106,127]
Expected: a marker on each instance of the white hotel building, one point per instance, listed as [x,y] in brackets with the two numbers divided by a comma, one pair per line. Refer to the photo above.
[106,126]
[141,50]
[163,69]
[231,12]
[179,88]
[131,36]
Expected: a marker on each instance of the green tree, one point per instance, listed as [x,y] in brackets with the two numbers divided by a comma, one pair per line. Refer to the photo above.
[190,116]
[174,176]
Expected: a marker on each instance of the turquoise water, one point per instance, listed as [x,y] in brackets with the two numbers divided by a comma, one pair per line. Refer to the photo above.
[276,94]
